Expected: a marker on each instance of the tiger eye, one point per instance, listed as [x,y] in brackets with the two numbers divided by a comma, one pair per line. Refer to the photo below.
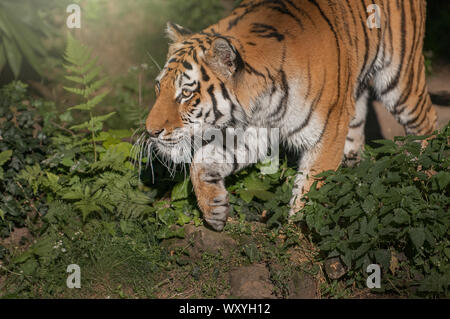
[186,93]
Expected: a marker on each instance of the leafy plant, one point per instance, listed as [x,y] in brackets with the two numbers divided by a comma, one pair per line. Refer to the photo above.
[21,34]
[393,210]
[252,194]
[22,142]
[85,73]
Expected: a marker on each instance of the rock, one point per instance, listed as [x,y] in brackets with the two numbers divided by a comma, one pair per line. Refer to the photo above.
[251,282]
[302,286]
[199,240]
[334,268]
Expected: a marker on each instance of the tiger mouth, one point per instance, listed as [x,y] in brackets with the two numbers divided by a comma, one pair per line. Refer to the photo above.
[175,150]
[168,143]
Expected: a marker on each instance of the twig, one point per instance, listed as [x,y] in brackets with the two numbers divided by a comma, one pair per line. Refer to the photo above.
[63,128]
[12,272]
[154,61]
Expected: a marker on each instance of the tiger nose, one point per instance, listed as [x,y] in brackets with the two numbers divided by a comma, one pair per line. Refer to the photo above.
[154,133]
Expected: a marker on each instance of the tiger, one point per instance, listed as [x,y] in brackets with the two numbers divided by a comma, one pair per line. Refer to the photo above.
[305,67]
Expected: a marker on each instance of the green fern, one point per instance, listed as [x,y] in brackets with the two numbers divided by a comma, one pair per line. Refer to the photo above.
[84,73]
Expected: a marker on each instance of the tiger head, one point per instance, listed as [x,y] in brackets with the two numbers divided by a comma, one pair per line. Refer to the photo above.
[195,90]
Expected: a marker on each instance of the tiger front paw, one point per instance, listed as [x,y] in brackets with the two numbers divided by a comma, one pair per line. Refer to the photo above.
[212,198]
[216,212]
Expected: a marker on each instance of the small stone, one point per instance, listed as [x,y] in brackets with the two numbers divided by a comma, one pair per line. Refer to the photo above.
[334,268]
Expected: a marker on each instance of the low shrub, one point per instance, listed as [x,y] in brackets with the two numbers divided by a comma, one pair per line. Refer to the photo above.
[392,210]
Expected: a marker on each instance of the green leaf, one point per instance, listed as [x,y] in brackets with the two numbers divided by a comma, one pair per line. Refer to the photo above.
[252,183]
[252,253]
[401,217]
[3,58]
[5,156]
[372,226]
[369,205]
[181,190]
[127,227]
[377,188]
[23,257]
[14,56]
[76,91]
[383,257]
[183,219]
[29,267]
[247,196]
[417,236]
[44,247]
[76,79]
[442,178]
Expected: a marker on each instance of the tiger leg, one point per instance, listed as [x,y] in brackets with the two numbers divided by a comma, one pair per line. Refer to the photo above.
[400,81]
[212,163]
[409,101]
[212,197]
[325,155]
[355,140]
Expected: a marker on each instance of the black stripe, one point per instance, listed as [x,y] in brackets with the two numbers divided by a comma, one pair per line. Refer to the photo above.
[284,100]
[275,5]
[414,119]
[312,108]
[217,113]
[359,124]
[197,102]
[205,75]
[266,31]
[187,65]
[249,69]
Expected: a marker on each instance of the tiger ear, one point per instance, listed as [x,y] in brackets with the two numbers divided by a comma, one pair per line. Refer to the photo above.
[223,57]
[176,32]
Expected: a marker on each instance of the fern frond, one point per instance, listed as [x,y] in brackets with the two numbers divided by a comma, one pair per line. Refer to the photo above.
[74,90]
[76,79]
[90,89]
[97,99]
[92,74]
[85,69]
[76,53]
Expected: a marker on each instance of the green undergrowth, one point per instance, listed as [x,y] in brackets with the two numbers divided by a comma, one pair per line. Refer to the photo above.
[391,210]
[22,143]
